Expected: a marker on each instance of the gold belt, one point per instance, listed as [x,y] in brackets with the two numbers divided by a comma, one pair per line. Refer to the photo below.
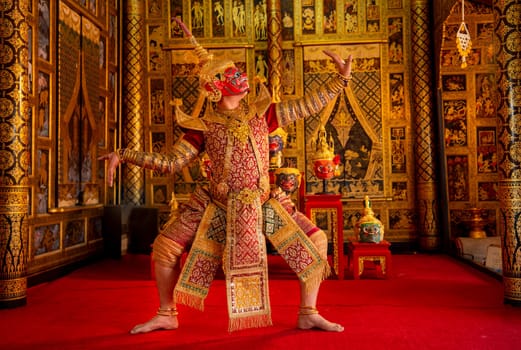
[248,196]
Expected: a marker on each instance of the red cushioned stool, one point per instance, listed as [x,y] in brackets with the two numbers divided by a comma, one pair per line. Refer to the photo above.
[358,254]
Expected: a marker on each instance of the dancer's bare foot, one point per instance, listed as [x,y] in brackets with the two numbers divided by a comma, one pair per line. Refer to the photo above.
[309,321]
[155,323]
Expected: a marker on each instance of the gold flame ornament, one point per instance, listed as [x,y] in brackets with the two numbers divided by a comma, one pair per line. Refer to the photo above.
[209,69]
[325,162]
[463,41]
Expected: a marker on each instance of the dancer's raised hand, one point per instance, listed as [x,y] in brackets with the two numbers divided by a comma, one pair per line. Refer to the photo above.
[183,26]
[343,65]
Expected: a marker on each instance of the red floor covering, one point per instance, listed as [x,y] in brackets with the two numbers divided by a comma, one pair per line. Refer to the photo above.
[429,302]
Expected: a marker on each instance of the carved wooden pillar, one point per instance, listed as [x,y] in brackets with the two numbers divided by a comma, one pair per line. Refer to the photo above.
[15,157]
[508,30]
[423,101]
[134,97]
[275,48]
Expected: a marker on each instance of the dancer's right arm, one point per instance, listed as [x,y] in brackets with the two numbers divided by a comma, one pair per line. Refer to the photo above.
[181,154]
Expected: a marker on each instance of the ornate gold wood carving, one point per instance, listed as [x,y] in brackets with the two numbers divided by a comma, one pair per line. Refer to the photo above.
[15,158]
[423,100]
[78,98]
[134,98]
[509,152]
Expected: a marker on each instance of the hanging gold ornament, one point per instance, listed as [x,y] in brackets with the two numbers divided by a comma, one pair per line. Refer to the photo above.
[463,42]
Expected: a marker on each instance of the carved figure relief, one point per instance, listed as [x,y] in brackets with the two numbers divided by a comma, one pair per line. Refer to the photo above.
[155,48]
[46,239]
[197,13]
[485,99]
[397,96]
[455,117]
[43,104]
[218,18]
[373,16]
[398,151]
[288,22]
[239,18]
[458,177]
[395,29]
[308,19]
[44,29]
[351,17]
[329,19]
[486,150]
[260,20]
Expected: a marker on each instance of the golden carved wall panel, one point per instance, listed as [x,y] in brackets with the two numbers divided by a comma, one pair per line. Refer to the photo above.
[375,32]
[468,108]
[74,89]
[78,95]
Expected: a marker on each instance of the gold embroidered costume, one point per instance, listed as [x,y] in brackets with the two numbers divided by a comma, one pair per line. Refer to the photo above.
[227,223]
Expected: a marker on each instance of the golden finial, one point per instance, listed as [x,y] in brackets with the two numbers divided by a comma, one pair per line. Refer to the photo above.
[369,229]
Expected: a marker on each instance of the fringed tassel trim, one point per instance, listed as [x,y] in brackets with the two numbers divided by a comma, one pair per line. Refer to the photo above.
[314,280]
[258,321]
[189,300]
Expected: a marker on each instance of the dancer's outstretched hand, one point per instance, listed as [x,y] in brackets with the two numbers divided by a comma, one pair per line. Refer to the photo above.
[114,161]
[343,66]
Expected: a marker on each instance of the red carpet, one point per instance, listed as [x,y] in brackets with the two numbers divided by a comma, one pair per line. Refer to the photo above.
[430,302]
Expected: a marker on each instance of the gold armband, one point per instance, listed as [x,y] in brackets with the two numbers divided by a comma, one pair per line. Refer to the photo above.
[181,154]
[312,103]
[344,79]
[121,154]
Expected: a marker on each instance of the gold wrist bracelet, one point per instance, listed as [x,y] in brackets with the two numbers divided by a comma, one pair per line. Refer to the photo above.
[345,80]
[121,152]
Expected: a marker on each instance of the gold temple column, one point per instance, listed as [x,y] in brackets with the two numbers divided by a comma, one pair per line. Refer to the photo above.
[508,30]
[15,157]
[423,101]
[275,48]
[134,97]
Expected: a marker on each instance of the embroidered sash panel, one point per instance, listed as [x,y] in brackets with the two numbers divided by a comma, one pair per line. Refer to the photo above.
[246,272]
[203,259]
[294,245]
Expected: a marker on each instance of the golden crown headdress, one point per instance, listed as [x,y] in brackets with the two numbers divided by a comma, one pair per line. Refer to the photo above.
[210,70]
[322,147]
[280,132]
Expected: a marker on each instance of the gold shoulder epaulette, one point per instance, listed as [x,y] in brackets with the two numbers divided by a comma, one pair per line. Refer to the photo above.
[263,100]
[186,120]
